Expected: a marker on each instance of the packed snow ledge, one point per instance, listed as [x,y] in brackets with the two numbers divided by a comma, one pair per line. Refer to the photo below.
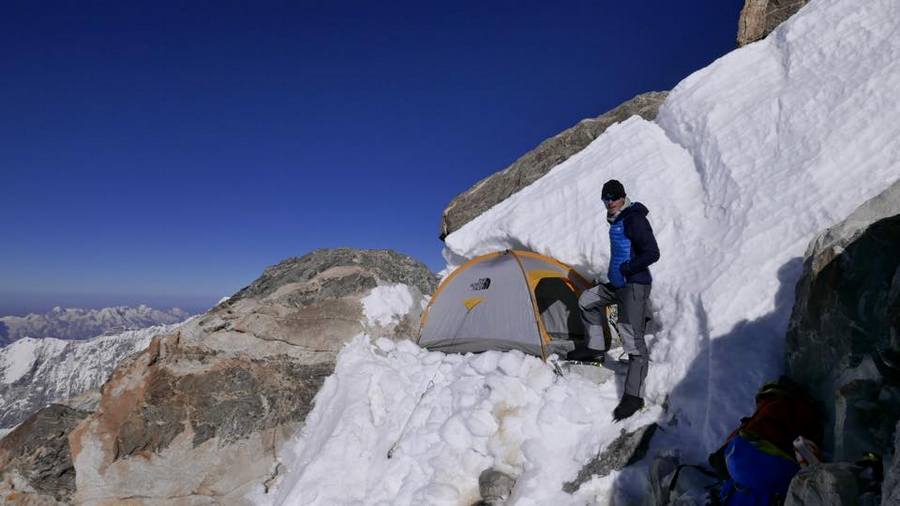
[504,410]
[748,159]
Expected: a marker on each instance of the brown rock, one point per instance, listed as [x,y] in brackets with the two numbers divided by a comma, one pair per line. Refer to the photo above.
[760,17]
[495,188]
[201,415]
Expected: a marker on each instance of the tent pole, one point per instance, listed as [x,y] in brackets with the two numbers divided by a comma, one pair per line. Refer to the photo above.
[534,306]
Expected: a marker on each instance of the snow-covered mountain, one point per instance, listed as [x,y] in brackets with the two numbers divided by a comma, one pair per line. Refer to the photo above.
[36,372]
[76,323]
[747,161]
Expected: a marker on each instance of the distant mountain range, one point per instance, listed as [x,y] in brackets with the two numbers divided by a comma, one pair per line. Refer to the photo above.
[76,323]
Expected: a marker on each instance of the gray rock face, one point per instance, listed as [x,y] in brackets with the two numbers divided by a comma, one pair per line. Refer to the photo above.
[35,463]
[890,490]
[495,487]
[843,340]
[201,415]
[627,449]
[760,17]
[833,484]
[533,165]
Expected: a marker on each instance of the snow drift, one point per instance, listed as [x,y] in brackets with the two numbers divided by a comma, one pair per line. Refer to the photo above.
[748,159]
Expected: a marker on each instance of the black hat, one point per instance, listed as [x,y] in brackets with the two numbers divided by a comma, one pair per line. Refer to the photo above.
[612,190]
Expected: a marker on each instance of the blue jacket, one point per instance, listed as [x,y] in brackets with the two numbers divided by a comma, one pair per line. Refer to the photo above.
[633,247]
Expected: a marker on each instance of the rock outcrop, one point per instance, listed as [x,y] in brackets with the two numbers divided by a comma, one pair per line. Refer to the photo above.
[200,416]
[627,449]
[760,17]
[35,463]
[321,297]
[843,340]
[890,491]
[495,487]
[829,484]
[37,372]
[532,165]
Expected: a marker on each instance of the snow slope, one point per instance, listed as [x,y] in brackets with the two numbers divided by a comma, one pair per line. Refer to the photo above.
[748,159]
[504,410]
[77,323]
[36,372]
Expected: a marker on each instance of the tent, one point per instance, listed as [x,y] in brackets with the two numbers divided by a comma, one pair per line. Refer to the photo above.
[507,300]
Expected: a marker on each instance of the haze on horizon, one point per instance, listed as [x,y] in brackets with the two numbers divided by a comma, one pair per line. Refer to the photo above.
[165,154]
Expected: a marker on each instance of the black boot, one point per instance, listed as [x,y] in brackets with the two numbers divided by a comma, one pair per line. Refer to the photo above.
[586,355]
[627,407]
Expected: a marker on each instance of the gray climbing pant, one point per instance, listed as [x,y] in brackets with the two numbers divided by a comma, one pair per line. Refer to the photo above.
[632,301]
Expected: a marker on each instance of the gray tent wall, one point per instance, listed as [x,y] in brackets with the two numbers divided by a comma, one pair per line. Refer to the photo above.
[488,304]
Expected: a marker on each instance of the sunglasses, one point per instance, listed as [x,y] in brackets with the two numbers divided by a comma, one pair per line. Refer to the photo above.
[607,199]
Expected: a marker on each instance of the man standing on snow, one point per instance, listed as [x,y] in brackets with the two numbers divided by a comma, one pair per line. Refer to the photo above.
[633,248]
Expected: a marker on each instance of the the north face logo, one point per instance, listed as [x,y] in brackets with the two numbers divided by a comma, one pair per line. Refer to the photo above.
[481,284]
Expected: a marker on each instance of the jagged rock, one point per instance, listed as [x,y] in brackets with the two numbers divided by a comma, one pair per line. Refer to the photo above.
[843,333]
[37,372]
[760,17]
[35,463]
[832,484]
[533,165]
[627,449]
[890,490]
[495,486]
[201,415]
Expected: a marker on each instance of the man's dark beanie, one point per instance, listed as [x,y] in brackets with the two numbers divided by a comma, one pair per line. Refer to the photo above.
[612,190]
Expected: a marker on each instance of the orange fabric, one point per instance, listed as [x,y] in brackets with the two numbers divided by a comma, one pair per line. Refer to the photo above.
[780,419]
[585,284]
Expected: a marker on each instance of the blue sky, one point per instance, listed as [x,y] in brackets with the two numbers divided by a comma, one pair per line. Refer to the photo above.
[168,152]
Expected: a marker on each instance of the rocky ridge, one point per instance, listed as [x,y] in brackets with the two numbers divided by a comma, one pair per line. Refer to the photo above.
[532,165]
[202,413]
[760,17]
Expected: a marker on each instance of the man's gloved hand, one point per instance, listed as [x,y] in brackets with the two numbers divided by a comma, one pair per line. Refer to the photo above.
[625,268]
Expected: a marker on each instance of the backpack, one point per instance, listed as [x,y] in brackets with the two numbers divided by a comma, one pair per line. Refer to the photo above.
[784,410]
